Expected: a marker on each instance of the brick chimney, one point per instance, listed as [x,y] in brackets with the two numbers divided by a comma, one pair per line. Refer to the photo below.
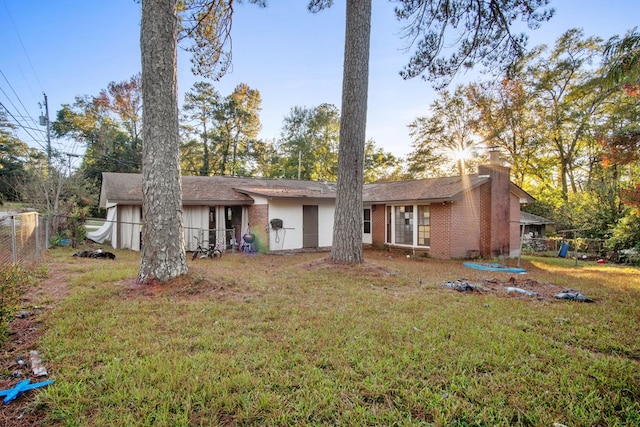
[495,212]
[494,156]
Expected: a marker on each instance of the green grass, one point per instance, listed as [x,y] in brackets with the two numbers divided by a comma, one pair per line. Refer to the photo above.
[286,340]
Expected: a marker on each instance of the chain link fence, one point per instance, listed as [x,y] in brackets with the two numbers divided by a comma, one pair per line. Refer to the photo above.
[128,235]
[580,247]
[226,237]
[23,237]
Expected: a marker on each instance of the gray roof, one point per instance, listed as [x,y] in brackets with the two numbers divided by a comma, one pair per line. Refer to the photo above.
[126,188]
[530,219]
[431,189]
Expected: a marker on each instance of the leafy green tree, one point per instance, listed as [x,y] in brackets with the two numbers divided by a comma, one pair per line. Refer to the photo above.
[200,105]
[617,146]
[553,109]
[567,104]
[265,160]
[295,152]
[109,125]
[14,158]
[618,166]
[504,120]
[237,124]
[29,175]
[622,145]
[622,62]
[445,143]
[125,100]
[308,144]
[308,148]
[87,121]
[626,233]
[380,165]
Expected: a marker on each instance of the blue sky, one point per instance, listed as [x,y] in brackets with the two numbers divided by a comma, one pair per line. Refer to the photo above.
[294,58]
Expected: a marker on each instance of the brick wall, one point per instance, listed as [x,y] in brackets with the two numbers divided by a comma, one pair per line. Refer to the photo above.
[496,211]
[465,226]
[484,195]
[378,222]
[258,217]
[440,214]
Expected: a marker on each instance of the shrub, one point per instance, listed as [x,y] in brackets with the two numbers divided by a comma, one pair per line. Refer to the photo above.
[626,234]
[13,279]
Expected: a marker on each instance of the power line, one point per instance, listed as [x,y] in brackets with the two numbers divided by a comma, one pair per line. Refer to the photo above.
[20,125]
[17,97]
[10,101]
[26,129]
[17,121]
[30,128]
[22,45]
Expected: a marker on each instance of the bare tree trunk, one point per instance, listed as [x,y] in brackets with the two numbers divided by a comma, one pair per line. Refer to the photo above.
[347,230]
[163,256]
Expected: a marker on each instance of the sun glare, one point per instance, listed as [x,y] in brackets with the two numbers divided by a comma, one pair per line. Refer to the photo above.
[461,154]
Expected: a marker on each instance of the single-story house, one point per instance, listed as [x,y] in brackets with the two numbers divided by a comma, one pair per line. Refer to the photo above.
[451,217]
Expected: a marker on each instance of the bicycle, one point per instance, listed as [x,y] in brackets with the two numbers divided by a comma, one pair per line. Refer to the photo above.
[210,251]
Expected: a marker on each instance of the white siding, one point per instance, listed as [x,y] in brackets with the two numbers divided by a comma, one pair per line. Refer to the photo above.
[326,212]
[290,212]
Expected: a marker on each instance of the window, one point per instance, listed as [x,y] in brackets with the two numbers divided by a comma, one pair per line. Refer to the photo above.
[409,225]
[404,225]
[367,221]
[424,226]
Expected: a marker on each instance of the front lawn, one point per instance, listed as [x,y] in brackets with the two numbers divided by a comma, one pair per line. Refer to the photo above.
[294,340]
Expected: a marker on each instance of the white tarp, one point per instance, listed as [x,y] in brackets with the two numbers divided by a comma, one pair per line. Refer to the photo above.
[122,227]
[128,228]
[196,223]
[105,232]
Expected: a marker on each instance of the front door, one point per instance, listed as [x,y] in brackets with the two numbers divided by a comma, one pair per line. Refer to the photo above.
[233,224]
[309,226]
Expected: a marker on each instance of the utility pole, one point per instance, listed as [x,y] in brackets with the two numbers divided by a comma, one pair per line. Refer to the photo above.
[46,112]
[44,121]
[52,205]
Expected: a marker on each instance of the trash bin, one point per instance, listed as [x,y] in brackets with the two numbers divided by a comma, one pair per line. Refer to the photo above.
[564,249]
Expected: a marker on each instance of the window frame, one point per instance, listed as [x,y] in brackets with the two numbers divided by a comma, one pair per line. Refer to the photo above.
[412,224]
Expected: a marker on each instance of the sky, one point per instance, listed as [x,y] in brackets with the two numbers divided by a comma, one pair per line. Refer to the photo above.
[70,48]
